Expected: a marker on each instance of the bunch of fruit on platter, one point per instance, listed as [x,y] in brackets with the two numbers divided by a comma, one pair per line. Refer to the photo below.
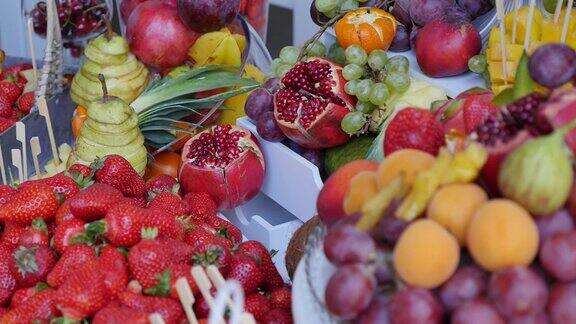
[100,243]
[17,86]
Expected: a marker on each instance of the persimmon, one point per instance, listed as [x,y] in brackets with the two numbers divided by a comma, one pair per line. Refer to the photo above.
[80,115]
[165,162]
[371,28]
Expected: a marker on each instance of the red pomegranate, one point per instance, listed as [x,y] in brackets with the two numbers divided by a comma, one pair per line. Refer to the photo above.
[224,161]
[311,104]
[157,36]
[560,111]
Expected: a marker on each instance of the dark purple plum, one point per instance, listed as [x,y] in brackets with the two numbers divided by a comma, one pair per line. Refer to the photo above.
[413,35]
[272,84]
[401,41]
[457,15]
[424,11]
[560,221]
[268,128]
[258,102]
[552,65]
[466,284]
[475,8]
[400,11]
[476,311]
[415,305]
[204,16]
[316,157]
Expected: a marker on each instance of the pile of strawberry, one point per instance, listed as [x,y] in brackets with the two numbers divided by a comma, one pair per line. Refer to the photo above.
[14,104]
[99,243]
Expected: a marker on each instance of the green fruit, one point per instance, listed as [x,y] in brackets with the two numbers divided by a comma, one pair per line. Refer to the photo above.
[112,71]
[100,57]
[117,45]
[356,149]
[129,124]
[110,139]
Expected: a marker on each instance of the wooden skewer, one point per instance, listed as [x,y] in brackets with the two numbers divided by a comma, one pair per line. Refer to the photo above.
[219,282]
[36,150]
[500,15]
[247,318]
[186,299]
[566,21]
[558,10]
[43,108]
[21,137]
[2,167]
[155,318]
[515,22]
[32,49]
[17,162]
[530,18]
[203,283]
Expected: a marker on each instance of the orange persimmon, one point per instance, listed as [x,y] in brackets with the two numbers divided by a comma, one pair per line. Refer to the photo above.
[371,28]
[163,163]
[80,115]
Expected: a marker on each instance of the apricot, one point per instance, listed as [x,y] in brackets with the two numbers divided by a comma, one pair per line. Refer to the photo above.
[363,186]
[409,161]
[502,234]
[426,255]
[330,202]
[454,205]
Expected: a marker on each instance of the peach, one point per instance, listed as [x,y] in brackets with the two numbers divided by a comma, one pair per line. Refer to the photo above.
[330,202]
[502,234]
[426,255]
[453,206]
[409,161]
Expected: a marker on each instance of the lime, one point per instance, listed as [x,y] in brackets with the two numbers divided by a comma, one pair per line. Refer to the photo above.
[356,149]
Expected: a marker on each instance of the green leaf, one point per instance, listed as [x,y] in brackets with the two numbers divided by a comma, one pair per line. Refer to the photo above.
[523,84]
[162,288]
[504,98]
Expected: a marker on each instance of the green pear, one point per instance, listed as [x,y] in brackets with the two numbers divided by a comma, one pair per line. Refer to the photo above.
[130,123]
[110,43]
[111,139]
[112,71]
[94,54]
[89,150]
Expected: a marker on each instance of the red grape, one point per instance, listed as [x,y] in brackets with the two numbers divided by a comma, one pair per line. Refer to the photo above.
[414,305]
[558,222]
[552,65]
[389,228]
[517,291]
[467,283]
[383,269]
[476,312]
[562,306]
[540,318]
[347,244]
[272,84]
[377,312]
[350,291]
[558,256]
[258,102]
[268,128]
[400,12]
[475,8]
[424,11]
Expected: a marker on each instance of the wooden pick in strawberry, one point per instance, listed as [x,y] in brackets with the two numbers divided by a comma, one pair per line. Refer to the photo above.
[2,167]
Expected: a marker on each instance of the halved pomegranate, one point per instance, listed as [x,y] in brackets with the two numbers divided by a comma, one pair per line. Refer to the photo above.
[311,104]
[224,161]
[560,111]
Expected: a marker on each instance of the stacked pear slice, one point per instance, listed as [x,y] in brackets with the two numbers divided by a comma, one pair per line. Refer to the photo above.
[109,55]
[110,128]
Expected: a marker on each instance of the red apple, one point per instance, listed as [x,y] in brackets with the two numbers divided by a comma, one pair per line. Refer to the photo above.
[443,48]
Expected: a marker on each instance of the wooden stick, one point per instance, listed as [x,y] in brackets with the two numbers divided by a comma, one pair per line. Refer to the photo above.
[566,21]
[36,150]
[32,49]
[186,299]
[217,280]
[558,10]
[515,22]
[21,137]
[2,167]
[247,318]
[43,108]
[155,318]
[203,284]
[530,18]
[500,15]
[17,162]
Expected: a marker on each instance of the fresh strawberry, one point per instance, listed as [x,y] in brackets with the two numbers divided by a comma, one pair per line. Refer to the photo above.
[281,298]
[66,233]
[13,73]
[74,257]
[257,305]
[169,309]
[11,234]
[32,264]
[167,225]
[10,90]
[201,307]
[6,193]
[137,201]
[115,270]
[3,312]
[116,171]
[212,253]
[225,229]
[21,295]
[198,233]
[122,225]
[94,202]
[64,214]
[256,250]
[477,109]
[39,308]
[277,316]
[161,183]
[37,234]
[246,271]
[201,206]
[148,260]
[80,169]
[116,314]
[5,123]
[60,184]
[180,252]
[26,102]
[170,202]
[416,129]
[6,110]
[182,271]
[7,277]
[83,292]
[30,203]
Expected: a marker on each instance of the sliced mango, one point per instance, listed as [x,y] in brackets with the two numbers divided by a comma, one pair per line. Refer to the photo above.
[513,52]
[235,105]
[521,24]
[219,47]
[497,73]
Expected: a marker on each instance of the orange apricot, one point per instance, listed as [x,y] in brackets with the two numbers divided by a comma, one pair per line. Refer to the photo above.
[409,161]
[363,186]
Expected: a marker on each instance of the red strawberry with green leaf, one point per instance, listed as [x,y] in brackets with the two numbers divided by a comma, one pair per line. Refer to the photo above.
[116,270]
[63,213]
[201,206]
[36,234]
[26,102]
[281,298]
[180,252]
[32,264]
[257,251]
[467,111]
[10,90]
[94,202]
[73,258]
[199,233]
[162,182]
[166,286]
[117,314]
[29,203]
[83,293]
[413,128]
[23,294]
[39,308]
[257,305]
[7,277]
[212,253]
[66,234]
[246,271]
[167,225]
[80,169]
[149,259]
[225,229]
[168,308]
[116,171]
[60,184]
[169,202]
[6,193]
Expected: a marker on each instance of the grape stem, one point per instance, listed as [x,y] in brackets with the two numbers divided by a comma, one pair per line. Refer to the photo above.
[319,34]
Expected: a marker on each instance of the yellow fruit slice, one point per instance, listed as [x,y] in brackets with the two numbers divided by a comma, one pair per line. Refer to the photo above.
[521,24]
[205,46]
[513,52]
[497,73]
[236,104]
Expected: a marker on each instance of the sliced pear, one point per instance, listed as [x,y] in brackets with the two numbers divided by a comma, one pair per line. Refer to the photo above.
[112,71]
[116,45]
[111,139]
[109,128]
[88,150]
[94,54]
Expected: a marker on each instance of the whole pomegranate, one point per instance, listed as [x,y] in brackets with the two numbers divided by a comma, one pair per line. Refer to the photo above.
[204,16]
[224,161]
[311,104]
[157,36]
